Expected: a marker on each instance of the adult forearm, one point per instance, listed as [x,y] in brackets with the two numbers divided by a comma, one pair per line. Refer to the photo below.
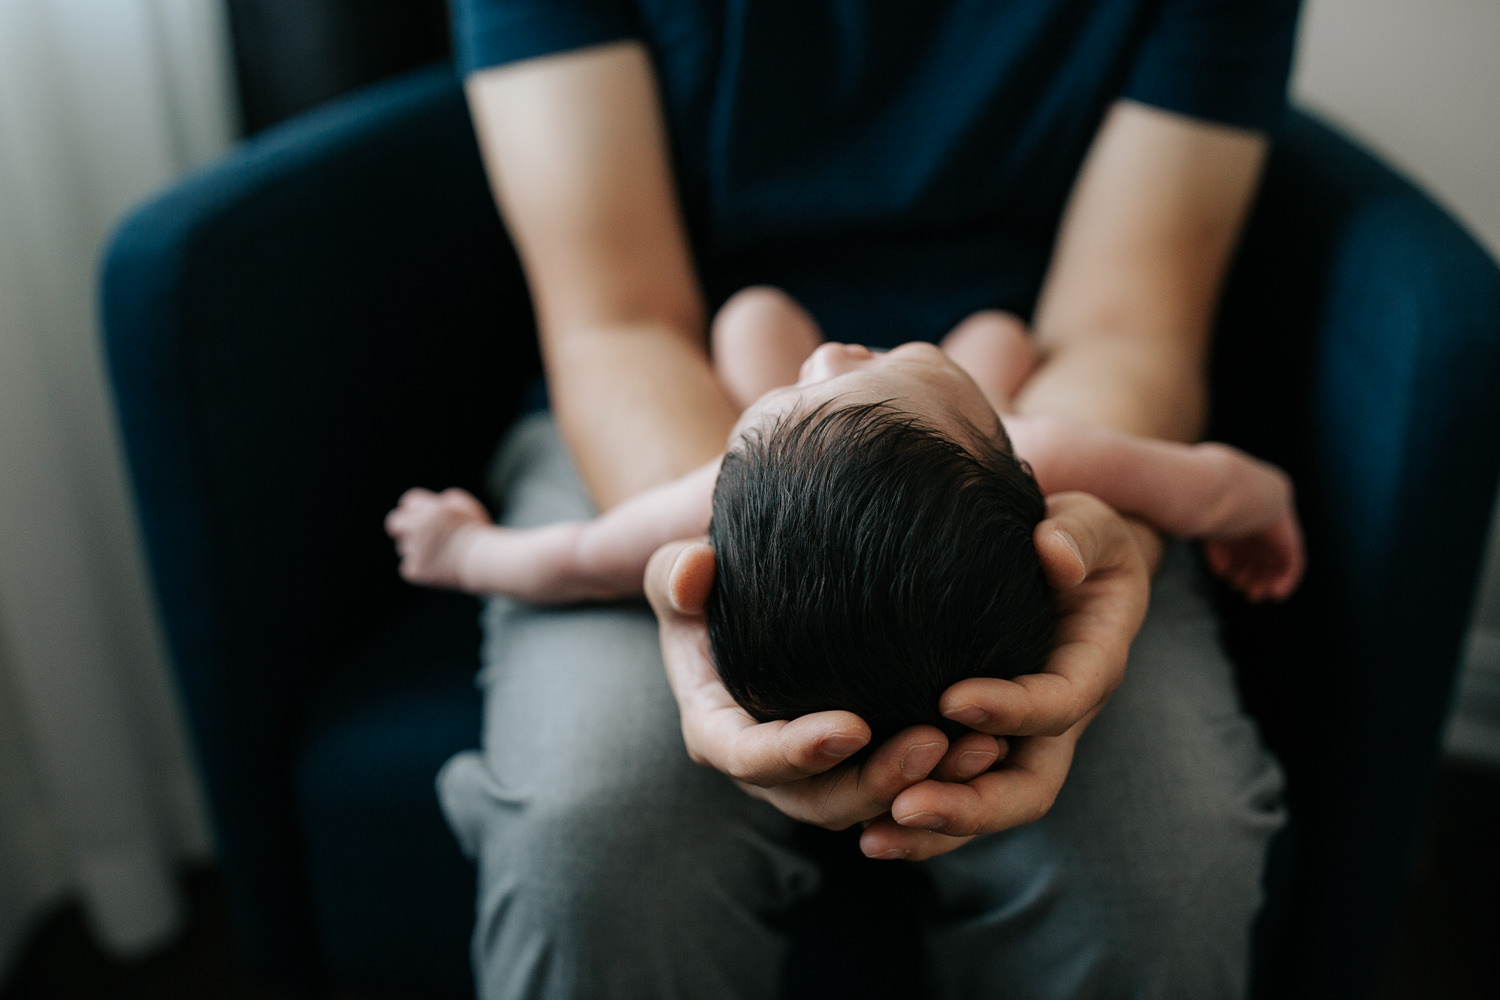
[1151,389]
[637,404]
[578,157]
[1124,317]
[1154,390]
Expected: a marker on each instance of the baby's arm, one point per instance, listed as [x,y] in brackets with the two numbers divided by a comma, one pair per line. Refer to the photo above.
[1240,506]
[447,540]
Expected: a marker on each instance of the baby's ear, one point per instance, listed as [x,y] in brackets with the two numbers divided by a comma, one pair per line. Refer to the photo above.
[691,577]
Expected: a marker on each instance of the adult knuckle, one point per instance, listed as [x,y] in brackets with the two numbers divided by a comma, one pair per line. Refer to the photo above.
[741,769]
[1039,807]
[968,826]
[694,745]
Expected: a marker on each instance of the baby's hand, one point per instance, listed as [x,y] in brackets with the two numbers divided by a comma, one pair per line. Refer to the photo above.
[430,530]
[1266,565]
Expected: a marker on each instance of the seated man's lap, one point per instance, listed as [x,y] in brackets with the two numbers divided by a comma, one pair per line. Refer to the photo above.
[1145,877]
[600,844]
[609,863]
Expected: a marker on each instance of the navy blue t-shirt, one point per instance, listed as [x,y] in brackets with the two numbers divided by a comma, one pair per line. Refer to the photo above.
[897,164]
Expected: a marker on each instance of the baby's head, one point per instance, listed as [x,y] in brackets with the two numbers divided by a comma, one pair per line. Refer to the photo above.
[873,540]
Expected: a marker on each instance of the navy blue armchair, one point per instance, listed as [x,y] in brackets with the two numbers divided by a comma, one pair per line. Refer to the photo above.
[332,313]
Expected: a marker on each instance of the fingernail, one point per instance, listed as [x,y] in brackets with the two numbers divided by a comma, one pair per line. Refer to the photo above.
[969,715]
[841,745]
[674,593]
[973,761]
[922,821]
[921,759]
[1071,543]
[894,854]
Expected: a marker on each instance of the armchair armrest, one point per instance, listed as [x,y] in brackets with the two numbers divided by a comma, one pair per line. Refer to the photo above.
[1360,347]
[328,315]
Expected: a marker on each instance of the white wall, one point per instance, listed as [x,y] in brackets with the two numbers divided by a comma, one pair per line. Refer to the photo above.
[1419,81]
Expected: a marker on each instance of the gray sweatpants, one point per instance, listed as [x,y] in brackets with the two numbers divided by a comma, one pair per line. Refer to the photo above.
[610,865]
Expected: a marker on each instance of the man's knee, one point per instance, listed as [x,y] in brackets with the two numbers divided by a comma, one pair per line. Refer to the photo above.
[1111,909]
[606,840]
[1183,874]
[602,874]
[1189,901]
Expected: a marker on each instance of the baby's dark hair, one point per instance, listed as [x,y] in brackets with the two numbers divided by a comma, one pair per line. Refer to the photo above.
[866,562]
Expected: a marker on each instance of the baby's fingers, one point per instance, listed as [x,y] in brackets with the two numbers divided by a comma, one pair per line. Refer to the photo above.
[416,497]
[411,502]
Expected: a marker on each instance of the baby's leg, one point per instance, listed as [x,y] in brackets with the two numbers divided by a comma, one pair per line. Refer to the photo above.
[993,347]
[761,336]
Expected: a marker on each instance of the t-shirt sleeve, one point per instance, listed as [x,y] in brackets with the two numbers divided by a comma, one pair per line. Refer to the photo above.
[490,33]
[1220,60]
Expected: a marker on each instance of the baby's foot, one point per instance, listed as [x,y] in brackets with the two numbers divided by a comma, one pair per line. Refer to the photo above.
[1266,566]
[994,348]
[432,531]
[760,337]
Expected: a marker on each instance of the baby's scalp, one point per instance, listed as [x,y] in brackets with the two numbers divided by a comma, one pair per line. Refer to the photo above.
[916,377]
[867,560]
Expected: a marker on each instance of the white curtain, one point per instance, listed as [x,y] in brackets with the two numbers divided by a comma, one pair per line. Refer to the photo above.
[101,102]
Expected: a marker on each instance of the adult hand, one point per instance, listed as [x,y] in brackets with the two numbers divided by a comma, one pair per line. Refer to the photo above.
[1101,566]
[800,766]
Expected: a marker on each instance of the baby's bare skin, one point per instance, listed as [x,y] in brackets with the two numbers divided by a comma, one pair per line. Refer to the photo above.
[1242,508]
